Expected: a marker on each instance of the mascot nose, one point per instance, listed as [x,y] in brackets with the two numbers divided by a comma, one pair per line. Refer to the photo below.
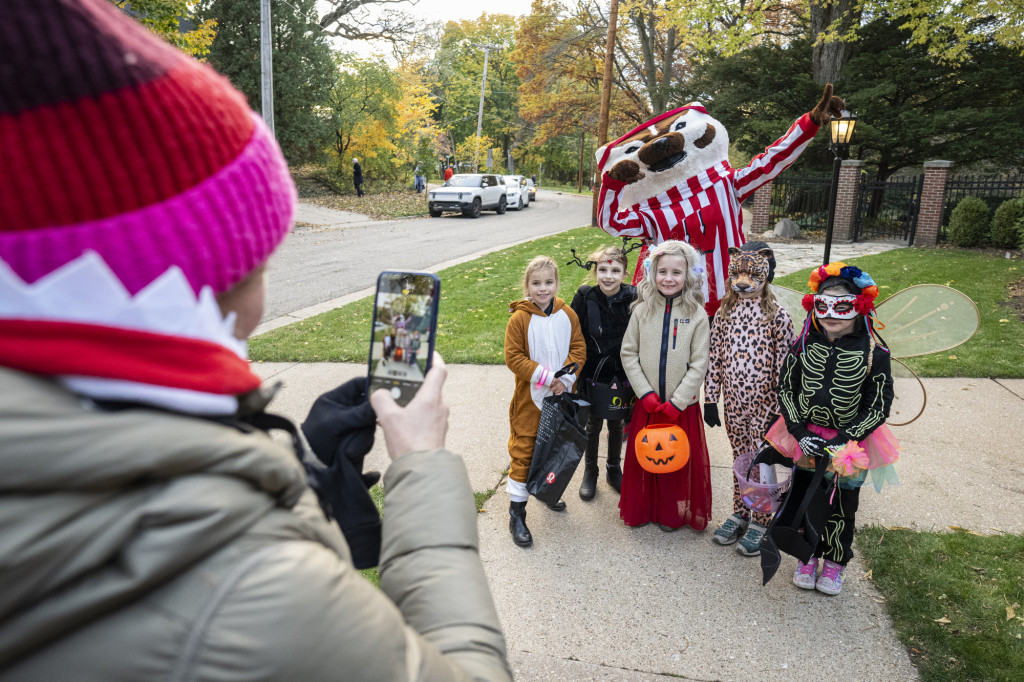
[661,144]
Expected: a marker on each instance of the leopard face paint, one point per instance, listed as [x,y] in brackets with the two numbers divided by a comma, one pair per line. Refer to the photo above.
[835,307]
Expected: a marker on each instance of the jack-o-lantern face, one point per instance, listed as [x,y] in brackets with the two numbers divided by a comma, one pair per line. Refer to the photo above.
[662,448]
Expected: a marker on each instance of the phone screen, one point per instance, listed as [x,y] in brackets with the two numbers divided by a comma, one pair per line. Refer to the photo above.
[404,327]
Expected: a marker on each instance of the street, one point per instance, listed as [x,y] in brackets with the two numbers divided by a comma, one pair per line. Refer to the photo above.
[319,264]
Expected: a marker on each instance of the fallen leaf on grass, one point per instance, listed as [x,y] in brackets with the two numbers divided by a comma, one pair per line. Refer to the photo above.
[966,530]
[943,620]
[867,576]
[1004,320]
[1010,613]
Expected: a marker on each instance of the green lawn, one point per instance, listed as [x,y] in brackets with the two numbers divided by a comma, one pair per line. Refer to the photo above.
[954,598]
[998,347]
[473,312]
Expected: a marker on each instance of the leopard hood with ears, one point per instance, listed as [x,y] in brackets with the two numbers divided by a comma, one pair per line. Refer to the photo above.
[658,155]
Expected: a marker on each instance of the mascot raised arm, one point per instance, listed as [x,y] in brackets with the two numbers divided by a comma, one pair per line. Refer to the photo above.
[670,178]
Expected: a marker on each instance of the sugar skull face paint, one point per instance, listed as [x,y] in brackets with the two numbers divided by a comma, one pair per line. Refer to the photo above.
[835,307]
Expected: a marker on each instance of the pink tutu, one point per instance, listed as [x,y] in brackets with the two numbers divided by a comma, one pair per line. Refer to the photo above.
[881,446]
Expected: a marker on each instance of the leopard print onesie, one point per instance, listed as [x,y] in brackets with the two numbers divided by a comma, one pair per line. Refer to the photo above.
[747,354]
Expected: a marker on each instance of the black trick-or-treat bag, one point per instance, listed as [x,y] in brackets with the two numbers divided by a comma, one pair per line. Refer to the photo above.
[612,399]
[561,440]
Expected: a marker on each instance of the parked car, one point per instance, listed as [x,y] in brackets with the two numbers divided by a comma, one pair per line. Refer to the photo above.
[532,186]
[469,194]
[517,194]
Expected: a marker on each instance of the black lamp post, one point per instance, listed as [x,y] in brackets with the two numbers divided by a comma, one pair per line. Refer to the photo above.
[842,131]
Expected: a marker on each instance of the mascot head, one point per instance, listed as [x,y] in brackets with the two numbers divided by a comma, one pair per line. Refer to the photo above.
[669,148]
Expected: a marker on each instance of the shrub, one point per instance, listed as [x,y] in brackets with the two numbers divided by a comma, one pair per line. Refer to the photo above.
[1004,223]
[1020,233]
[968,222]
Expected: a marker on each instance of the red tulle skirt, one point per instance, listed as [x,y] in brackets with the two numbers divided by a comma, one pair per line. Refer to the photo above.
[682,498]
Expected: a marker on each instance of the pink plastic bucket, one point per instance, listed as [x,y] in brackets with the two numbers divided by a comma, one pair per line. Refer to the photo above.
[757,496]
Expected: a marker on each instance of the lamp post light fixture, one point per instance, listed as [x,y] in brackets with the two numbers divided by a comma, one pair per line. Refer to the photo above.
[842,132]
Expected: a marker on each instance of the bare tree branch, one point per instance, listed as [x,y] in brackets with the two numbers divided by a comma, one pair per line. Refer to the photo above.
[353,20]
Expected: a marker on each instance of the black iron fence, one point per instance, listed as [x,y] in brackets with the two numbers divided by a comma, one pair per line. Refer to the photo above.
[994,190]
[887,209]
[804,200]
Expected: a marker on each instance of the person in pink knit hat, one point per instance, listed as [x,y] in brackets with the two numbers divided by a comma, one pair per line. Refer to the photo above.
[151,527]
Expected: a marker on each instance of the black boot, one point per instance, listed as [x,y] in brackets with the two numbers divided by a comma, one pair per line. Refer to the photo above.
[517,524]
[588,487]
[614,474]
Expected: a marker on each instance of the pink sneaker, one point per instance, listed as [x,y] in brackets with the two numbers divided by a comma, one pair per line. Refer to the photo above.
[831,580]
[805,574]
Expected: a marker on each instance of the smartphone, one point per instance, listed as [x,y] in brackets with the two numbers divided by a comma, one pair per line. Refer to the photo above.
[403,333]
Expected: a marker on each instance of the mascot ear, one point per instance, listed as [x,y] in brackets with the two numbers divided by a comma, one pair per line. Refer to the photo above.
[767,253]
[600,153]
[733,251]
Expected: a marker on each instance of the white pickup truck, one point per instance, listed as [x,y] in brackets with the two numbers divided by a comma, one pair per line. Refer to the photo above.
[469,194]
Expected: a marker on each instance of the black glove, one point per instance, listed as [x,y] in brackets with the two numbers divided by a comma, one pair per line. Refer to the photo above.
[340,429]
[711,415]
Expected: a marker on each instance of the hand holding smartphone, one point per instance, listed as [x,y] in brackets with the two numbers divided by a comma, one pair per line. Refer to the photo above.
[404,330]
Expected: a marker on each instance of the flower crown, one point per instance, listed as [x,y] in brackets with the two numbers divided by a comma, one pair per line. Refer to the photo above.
[865,302]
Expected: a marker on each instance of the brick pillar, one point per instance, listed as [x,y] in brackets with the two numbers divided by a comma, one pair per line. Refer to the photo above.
[846,200]
[762,209]
[933,196]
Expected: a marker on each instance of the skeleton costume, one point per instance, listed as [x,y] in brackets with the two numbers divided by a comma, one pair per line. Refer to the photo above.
[835,397]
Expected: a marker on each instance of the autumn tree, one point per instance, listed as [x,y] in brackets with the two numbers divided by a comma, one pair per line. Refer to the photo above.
[946,30]
[456,72]
[174,21]
[911,107]
[303,67]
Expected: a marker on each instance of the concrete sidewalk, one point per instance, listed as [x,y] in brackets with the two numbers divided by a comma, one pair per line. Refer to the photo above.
[595,600]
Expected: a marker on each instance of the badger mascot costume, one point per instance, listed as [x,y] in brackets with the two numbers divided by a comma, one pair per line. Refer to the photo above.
[670,178]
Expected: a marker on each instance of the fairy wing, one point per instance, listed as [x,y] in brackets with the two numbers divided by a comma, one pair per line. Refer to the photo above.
[792,301]
[926,318]
[910,397]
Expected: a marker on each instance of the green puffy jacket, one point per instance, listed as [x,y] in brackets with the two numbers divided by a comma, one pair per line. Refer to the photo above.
[143,545]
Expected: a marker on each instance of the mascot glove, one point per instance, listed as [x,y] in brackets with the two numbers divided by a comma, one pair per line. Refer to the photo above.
[651,402]
[669,411]
[340,429]
[711,415]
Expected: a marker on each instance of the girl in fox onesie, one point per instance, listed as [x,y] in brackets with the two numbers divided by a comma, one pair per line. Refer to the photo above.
[670,178]
[543,335]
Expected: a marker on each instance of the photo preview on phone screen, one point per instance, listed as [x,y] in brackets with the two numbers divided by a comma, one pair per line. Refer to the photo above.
[404,325]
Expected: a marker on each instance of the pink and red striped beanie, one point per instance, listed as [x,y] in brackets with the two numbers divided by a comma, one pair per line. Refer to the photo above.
[113,141]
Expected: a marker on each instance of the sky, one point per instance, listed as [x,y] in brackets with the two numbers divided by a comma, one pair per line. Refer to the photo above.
[435,10]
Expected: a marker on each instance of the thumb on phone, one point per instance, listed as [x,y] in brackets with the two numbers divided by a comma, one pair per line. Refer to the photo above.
[423,423]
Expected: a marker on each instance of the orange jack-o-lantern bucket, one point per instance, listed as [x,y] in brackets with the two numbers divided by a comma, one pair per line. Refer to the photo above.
[662,448]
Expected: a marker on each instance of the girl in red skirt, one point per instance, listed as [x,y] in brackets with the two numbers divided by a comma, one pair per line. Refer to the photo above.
[665,356]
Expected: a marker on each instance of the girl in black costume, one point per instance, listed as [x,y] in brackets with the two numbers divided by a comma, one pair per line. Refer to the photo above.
[603,311]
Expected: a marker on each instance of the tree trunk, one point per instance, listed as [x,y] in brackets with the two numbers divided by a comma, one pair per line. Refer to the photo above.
[829,59]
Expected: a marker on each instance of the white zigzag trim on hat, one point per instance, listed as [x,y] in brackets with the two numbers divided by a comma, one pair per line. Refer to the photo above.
[87,291]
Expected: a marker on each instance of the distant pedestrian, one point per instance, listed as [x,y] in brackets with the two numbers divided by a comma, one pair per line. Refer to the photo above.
[448,173]
[357,177]
[420,182]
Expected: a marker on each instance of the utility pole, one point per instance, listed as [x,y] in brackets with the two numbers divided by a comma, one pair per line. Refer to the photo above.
[266,65]
[606,97]
[480,113]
